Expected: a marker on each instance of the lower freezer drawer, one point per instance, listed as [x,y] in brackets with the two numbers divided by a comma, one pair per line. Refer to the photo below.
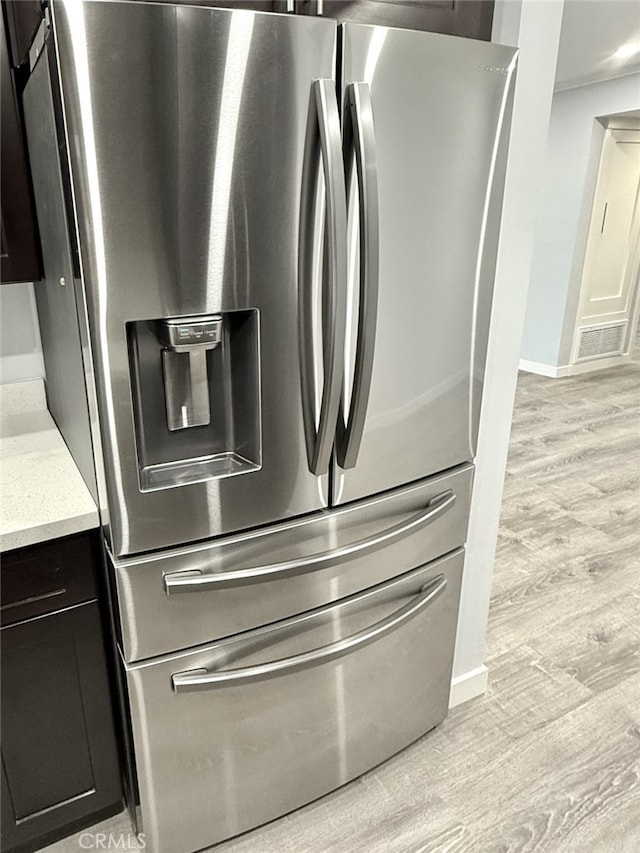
[231,735]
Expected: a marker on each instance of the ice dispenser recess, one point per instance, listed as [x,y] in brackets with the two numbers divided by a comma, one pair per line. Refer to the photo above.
[196,397]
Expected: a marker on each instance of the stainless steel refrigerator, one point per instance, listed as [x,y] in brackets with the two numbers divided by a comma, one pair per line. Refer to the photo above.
[279,234]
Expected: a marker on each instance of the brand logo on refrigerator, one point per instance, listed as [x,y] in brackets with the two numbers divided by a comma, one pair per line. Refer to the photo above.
[494,68]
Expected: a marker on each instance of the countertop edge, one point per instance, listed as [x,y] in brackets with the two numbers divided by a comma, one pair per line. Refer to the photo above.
[38,505]
[37,534]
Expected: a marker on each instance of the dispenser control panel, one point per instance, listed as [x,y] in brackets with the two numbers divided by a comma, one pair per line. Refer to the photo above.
[186,332]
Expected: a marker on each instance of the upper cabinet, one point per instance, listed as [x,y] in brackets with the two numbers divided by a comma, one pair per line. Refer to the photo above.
[20,260]
[467,18]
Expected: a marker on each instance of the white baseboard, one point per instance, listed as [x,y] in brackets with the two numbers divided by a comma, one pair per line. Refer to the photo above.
[468,686]
[541,369]
[598,364]
[558,371]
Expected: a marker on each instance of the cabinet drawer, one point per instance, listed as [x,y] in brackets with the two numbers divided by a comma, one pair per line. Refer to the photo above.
[49,576]
[233,734]
[210,591]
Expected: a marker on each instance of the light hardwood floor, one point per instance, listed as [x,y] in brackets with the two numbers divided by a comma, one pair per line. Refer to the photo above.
[549,759]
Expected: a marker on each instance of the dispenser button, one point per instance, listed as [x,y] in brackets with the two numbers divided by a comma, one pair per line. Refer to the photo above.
[198,334]
[181,333]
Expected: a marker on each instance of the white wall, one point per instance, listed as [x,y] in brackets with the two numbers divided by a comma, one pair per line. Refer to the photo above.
[535,28]
[562,220]
[20,349]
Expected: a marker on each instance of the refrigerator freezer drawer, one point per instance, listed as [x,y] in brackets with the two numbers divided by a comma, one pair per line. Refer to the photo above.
[233,734]
[209,591]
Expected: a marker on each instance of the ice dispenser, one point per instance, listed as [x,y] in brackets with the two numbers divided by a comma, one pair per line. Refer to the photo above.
[196,397]
[184,365]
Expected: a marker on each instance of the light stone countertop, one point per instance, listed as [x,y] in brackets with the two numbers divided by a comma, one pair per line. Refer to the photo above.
[42,495]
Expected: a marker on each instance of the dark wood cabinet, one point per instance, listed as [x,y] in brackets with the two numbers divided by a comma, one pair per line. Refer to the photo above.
[23,19]
[467,18]
[20,253]
[50,576]
[60,768]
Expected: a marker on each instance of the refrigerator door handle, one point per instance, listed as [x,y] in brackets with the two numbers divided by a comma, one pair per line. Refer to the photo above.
[323,130]
[196,581]
[202,679]
[360,136]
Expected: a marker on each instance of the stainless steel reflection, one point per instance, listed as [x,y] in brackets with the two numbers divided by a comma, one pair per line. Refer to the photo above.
[441,122]
[202,679]
[189,205]
[154,622]
[245,753]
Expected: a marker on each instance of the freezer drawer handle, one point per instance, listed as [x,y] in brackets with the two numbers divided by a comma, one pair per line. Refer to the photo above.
[195,581]
[202,679]
[323,138]
[360,137]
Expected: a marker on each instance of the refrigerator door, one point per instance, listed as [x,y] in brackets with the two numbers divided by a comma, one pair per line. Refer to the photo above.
[233,734]
[427,117]
[188,129]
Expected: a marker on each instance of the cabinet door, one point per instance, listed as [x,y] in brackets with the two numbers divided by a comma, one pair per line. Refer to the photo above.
[467,18]
[23,20]
[58,744]
[20,259]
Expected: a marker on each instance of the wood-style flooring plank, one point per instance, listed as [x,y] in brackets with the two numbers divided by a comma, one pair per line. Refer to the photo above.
[544,792]
[599,647]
